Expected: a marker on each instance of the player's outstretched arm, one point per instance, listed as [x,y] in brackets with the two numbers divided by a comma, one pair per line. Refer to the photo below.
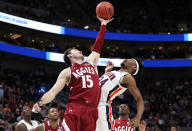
[62,79]
[129,82]
[95,54]
[21,127]
[39,128]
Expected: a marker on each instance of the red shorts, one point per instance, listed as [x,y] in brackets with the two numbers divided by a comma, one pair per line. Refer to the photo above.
[80,117]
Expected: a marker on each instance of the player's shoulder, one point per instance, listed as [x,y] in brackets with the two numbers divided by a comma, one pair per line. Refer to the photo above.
[65,72]
[86,63]
[20,126]
[21,122]
[128,77]
[35,122]
[117,120]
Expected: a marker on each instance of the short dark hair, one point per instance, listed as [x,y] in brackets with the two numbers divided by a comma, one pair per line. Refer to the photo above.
[141,67]
[123,66]
[66,58]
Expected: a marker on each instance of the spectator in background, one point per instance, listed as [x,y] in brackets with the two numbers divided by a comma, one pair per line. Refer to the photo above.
[1,92]
[6,110]
[17,115]
[1,125]
[1,112]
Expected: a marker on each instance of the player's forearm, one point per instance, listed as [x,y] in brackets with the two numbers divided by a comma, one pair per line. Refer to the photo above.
[47,97]
[140,107]
[99,40]
[50,95]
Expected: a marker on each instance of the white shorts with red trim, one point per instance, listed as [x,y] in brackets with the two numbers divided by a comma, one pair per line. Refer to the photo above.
[105,119]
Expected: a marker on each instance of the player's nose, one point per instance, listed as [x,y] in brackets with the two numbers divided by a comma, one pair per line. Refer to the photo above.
[55,113]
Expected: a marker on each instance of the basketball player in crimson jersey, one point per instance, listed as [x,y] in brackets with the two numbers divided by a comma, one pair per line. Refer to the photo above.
[83,81]
[52,124]
[123,122]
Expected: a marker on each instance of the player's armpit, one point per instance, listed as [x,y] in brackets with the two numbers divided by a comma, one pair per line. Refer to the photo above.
[93,58]
[39,128]
[62,80]
[21,127]
[130,83]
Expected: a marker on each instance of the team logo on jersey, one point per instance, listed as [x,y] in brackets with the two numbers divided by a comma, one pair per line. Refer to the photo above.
[124,128]
[86,63]
[59,128]
[80,72]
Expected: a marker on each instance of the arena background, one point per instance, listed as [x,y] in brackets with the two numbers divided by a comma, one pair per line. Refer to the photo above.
[156,31]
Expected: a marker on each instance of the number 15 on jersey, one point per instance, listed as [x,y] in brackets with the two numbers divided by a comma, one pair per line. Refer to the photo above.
[87,81]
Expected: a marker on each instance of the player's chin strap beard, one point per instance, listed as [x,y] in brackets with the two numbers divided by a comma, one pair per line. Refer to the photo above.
[137,68]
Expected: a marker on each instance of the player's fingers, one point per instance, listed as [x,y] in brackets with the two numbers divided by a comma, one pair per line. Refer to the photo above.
[139,125]
[132,123]
[110,19]
[144,122]
[107,63]
[36,107]
[110,63]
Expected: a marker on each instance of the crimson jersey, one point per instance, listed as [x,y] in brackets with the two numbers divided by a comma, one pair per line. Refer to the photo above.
[84,84]
[123,125]
[49,128]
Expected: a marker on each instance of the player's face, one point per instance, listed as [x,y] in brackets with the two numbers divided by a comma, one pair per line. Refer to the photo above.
[76,54]
[124,109]
[53,114]
[26,111]
[130,64]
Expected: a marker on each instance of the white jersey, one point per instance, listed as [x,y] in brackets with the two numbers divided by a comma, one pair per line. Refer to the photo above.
[29,127]
[110,86]
[110,89]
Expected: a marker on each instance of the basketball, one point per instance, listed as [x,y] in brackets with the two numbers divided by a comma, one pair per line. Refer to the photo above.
[105,10]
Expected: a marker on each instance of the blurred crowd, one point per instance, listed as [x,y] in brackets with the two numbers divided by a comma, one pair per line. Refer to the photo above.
[18,90]
[145,16]
[167,102]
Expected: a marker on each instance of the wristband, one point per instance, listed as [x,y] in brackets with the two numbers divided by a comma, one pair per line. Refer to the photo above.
[39,102]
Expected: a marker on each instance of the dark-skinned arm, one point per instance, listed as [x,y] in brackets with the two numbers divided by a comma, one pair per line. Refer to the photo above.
[129,82]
